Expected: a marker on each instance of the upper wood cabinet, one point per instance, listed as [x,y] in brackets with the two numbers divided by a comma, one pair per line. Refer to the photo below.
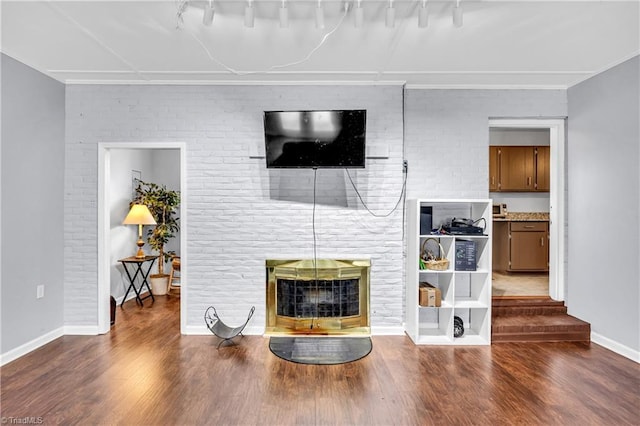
[494,169]
[519,168]
[542,168]
[516,168]
[500,256]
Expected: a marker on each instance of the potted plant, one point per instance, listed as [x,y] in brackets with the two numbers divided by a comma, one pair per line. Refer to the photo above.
[163,204]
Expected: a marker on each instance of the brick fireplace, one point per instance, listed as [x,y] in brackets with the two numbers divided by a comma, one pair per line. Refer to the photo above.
[326,297]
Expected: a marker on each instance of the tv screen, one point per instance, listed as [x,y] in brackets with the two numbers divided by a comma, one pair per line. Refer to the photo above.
[304,139]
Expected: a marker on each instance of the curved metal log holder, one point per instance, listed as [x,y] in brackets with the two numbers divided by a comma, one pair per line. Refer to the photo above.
[222,330]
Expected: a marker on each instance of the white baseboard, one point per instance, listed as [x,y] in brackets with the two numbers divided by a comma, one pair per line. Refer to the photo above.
[252,330]
[81,330]
[196,330]
[616,347]
[199,330]
[387,330]
[30,346]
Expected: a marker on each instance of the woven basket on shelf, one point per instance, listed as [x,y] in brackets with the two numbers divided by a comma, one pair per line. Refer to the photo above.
[429,261]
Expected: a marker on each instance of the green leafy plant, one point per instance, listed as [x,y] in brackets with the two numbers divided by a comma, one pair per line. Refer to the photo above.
[163,204]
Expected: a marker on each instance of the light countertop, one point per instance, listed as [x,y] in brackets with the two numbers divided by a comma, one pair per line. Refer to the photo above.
[523,217]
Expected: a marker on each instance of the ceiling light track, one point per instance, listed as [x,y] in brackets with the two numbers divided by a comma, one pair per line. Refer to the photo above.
[209,11]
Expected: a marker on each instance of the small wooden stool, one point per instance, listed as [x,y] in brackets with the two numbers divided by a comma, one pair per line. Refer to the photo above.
[174,275]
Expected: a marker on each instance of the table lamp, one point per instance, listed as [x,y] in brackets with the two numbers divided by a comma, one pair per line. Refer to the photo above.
[139,215]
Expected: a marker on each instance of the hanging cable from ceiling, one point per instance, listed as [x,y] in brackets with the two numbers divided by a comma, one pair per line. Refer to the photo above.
[273,67]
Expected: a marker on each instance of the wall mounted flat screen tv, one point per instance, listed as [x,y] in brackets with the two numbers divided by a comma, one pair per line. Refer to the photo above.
[308,139]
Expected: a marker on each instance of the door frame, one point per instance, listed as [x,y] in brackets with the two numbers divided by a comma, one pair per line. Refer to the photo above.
[104,239]
[557,195]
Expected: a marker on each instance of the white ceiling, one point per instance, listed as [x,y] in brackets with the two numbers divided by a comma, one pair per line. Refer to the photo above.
[501,44]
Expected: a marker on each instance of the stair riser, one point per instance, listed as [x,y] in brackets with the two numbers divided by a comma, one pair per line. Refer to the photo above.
[540,337]
[550,329]
[554,310]
[522,303]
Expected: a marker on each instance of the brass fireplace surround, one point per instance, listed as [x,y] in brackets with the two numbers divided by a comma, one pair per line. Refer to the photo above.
[332,299]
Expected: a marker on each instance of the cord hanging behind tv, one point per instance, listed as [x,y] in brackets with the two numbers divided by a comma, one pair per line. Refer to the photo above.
[308,139]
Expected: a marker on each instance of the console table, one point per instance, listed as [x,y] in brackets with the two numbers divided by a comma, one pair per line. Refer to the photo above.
[138,265]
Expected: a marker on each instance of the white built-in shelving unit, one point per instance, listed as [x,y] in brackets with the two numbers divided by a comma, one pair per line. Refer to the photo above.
[466,294]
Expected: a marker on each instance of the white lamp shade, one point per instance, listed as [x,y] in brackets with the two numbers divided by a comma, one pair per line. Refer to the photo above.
[139,215]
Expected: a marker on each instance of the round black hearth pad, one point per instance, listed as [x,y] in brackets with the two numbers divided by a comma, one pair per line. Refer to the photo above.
[320,350]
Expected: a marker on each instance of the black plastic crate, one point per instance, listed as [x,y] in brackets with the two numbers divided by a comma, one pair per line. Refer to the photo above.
[465,255]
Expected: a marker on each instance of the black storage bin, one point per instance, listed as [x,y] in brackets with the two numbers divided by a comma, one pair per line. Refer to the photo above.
[426,215]
[465,255]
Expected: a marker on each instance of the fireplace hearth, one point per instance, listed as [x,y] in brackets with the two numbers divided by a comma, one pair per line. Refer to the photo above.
[330,297]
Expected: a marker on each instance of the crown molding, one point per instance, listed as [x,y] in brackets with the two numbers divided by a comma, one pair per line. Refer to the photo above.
[605,68]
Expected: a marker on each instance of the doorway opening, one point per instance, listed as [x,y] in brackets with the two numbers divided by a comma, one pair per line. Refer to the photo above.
[121,165]
[541,209]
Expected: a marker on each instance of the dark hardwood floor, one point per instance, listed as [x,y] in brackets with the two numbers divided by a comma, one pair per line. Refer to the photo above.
[145,372]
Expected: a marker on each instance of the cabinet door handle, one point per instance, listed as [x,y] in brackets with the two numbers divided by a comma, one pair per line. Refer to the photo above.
[493,180]
[528,180]
[541,241]
[529,226]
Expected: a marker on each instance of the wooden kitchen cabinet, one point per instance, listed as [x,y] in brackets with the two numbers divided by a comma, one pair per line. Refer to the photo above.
[500,246]
[516,168]
[494,168]
[519,168]
[528,246]
[543,164]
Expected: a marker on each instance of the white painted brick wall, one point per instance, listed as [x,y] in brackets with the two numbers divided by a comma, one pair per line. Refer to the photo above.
[239,212]
[447,135]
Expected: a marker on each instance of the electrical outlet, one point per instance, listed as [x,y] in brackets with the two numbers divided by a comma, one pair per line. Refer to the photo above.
[40,292]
